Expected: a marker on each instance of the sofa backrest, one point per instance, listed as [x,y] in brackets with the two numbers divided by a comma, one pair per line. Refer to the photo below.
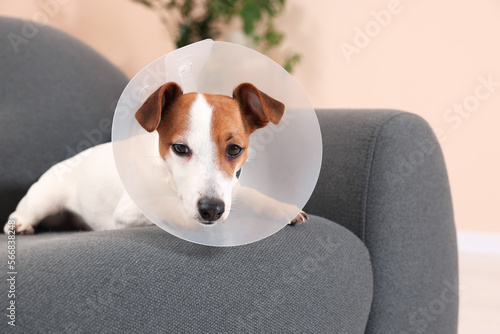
[57,98]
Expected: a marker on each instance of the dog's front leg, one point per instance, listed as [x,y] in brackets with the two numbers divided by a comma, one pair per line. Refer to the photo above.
[269,207]
[127,214]
[45,197]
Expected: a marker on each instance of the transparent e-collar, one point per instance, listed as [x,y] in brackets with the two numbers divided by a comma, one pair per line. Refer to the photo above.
[283,163]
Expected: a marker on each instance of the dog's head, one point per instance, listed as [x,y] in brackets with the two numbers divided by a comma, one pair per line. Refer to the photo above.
[203,140]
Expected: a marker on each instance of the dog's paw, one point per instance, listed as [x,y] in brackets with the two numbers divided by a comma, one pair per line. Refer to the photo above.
[20,226]
[300,218]
[286,211]
[279,211]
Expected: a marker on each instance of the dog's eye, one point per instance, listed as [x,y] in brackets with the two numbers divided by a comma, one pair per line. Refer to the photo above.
[233,151]
[181,149]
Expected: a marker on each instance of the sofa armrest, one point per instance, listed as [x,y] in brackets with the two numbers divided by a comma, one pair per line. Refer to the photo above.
[384,178]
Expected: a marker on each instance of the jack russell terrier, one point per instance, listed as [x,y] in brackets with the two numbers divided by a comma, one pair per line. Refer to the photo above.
[203,141]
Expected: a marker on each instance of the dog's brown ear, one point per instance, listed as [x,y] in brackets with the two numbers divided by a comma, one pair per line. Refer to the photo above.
[257,107]
[150,113]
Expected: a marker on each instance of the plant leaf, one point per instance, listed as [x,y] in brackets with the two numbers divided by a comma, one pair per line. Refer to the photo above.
[144,2]
[250,13]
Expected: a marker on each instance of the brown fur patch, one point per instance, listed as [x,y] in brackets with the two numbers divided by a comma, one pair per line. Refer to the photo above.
[228,128]
[174,124]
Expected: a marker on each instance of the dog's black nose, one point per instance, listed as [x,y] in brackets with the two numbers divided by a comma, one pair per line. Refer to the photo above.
[210,209]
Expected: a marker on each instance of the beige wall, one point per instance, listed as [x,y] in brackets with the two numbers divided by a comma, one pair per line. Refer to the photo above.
[426,57]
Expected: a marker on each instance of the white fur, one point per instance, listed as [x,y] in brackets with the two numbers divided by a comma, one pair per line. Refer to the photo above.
[90,188]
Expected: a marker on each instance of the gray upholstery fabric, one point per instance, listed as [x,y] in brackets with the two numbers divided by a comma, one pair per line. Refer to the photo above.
[57,97]
[384,178]
[312,278]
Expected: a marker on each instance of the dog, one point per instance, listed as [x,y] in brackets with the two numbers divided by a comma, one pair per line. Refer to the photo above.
[203,143]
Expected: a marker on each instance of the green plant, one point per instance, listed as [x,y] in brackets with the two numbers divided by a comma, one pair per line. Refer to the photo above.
[192,21]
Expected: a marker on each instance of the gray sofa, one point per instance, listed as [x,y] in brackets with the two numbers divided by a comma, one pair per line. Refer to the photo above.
[377,256]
